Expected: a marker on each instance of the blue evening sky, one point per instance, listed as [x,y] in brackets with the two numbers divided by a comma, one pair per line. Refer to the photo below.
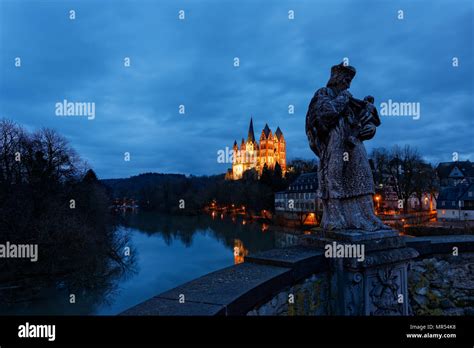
[190,62]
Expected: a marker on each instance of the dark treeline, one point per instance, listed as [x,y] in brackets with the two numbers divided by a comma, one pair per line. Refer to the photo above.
[401,168]
[49,197]
[167,192]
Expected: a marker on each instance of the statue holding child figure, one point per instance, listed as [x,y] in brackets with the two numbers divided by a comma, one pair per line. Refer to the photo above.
[337,124]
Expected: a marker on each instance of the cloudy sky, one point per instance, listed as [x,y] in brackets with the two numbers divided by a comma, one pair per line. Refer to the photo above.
[191,62]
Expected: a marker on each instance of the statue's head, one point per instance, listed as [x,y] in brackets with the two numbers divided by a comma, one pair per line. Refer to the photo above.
[341,77]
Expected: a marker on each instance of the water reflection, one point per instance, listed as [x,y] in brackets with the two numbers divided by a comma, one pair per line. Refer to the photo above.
[184,228]
[166,251]
[92,281]
[239,251]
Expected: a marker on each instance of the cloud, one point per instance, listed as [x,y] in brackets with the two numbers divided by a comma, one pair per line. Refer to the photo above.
[190,62]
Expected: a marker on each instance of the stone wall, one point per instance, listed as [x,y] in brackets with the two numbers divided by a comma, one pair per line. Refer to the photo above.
[309,297]
[438,285]
[295,281]
[442,285]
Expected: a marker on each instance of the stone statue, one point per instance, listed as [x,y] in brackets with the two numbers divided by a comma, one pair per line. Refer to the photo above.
[336,126]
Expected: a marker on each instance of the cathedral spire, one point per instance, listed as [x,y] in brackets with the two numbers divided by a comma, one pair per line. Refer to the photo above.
[266,130]
[279,133]
[251,136]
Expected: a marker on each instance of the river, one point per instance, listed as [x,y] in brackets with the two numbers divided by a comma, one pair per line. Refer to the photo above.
[167,251]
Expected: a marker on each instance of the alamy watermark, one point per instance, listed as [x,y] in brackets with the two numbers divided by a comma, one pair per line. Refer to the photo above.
[393,108]
[228,155]
[335,250]
[28,330]
[67,108]
[20,251]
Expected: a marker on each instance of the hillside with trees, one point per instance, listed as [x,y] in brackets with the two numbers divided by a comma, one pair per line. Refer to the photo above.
[49,197]
[164,192]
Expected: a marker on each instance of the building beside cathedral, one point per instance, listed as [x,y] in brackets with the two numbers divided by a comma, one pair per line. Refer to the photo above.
[270,150]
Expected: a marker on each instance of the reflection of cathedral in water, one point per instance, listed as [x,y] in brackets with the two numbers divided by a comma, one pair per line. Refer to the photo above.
[282,240]
[239,251]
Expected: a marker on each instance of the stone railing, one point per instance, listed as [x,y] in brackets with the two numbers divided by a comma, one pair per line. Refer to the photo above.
[296,281]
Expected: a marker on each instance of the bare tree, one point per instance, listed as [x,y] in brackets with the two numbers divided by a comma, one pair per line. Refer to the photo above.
[421,181]
[39,175]
[11,140]
[380,159]
[60,160]
[405,171]
[402,168]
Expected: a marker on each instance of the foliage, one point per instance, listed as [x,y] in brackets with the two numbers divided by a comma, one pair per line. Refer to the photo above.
[48,198]
[164,192]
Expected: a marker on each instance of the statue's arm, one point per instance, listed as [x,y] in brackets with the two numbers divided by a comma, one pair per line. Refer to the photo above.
[310,126]
[329,109]
[370,121]
[367,132]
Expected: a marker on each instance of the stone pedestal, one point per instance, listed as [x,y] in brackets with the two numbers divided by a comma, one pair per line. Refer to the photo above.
[375,286]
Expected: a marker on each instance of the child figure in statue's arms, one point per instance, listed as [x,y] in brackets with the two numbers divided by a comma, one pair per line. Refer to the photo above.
[366,119]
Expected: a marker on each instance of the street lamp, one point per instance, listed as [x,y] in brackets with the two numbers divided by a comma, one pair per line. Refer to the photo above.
[377,198]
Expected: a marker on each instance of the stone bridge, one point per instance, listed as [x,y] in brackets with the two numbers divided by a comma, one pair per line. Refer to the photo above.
[297,281]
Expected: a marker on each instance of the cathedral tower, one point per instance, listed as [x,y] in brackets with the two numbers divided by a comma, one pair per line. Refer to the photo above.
[252,155]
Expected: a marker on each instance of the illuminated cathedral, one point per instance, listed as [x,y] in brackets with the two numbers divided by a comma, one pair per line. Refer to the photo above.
[254,155]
